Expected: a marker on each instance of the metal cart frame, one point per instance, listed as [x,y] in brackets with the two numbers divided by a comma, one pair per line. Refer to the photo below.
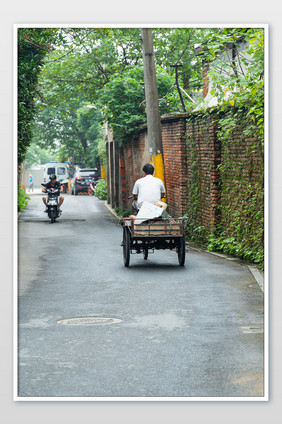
[153,234]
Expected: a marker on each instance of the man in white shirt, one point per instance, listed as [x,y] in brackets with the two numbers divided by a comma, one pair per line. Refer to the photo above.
[148,188]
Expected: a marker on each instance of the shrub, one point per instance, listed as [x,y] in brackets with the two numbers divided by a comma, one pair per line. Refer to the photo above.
[123,213]
[239,248]
[22,199]
[101,189]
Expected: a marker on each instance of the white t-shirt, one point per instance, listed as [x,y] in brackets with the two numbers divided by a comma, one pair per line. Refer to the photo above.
[148,188]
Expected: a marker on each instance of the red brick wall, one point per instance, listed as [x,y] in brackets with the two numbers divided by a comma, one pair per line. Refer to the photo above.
[192,153]
[177,163]
[174,154]
[132,154]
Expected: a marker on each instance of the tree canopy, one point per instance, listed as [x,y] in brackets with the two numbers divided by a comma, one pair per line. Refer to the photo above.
[71,79]
[33,45]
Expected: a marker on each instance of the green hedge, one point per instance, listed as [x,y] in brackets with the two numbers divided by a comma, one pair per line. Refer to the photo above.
[22,199]
[101,189]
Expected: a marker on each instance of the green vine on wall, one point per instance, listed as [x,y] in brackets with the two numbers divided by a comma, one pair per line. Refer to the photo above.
[239,230]
[198,125]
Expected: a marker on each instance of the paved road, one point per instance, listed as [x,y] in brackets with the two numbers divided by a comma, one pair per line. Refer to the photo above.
[154,329]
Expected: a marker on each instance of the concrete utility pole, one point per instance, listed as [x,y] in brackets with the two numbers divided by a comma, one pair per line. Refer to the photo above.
[152,104]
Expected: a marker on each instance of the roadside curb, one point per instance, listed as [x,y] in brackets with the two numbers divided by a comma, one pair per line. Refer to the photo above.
[112,211]
[258,276]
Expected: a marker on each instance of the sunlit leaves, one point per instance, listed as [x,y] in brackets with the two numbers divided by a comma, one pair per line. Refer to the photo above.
[242,70]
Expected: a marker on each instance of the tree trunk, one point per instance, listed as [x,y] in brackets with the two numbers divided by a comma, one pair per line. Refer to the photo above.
[83,142]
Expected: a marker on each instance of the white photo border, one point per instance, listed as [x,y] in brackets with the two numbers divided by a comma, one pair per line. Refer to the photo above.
[15,221]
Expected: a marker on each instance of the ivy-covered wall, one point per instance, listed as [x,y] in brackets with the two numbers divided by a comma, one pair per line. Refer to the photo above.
[225,196]
[203,158]
[242,194]
[214,174]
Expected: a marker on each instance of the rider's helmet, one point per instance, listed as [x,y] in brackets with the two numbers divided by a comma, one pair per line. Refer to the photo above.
[52,177]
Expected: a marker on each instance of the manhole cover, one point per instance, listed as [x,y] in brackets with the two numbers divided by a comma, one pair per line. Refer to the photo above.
[89,321]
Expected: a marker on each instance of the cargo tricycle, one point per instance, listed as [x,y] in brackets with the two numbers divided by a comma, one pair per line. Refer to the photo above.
[152,235]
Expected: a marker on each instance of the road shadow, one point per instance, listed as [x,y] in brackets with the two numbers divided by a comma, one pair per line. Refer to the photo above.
[155,266]
[60,221]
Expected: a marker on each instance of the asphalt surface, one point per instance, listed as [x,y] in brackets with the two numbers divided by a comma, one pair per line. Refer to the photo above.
[153,330]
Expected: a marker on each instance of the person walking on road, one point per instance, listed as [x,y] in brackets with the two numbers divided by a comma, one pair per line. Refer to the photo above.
[31,179]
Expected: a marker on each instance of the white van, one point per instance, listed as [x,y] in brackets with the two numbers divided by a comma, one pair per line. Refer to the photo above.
[61,170]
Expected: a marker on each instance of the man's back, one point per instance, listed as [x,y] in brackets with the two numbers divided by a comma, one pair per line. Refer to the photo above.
[148,188]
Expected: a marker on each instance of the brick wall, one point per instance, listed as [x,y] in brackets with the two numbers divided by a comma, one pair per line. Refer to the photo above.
[134,156]
[177,135]
[132,159]
[174,154]
[203,157]
[192,153]
[242,181]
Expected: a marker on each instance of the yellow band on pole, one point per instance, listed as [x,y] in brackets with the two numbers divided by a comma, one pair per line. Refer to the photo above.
[158,163]
[103,172]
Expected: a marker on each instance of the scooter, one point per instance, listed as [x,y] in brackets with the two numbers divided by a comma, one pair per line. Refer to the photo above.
[52,203]
[64,183]
[91,187]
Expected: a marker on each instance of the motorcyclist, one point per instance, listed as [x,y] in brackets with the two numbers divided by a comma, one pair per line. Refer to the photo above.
[53,183]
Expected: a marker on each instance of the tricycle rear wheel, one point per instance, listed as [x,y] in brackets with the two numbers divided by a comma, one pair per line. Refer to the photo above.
[181,251]
[126,246]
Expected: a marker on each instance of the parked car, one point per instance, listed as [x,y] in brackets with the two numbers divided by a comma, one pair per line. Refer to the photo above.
[82,178]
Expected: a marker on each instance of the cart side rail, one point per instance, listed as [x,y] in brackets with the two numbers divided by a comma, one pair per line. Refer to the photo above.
[166,227]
